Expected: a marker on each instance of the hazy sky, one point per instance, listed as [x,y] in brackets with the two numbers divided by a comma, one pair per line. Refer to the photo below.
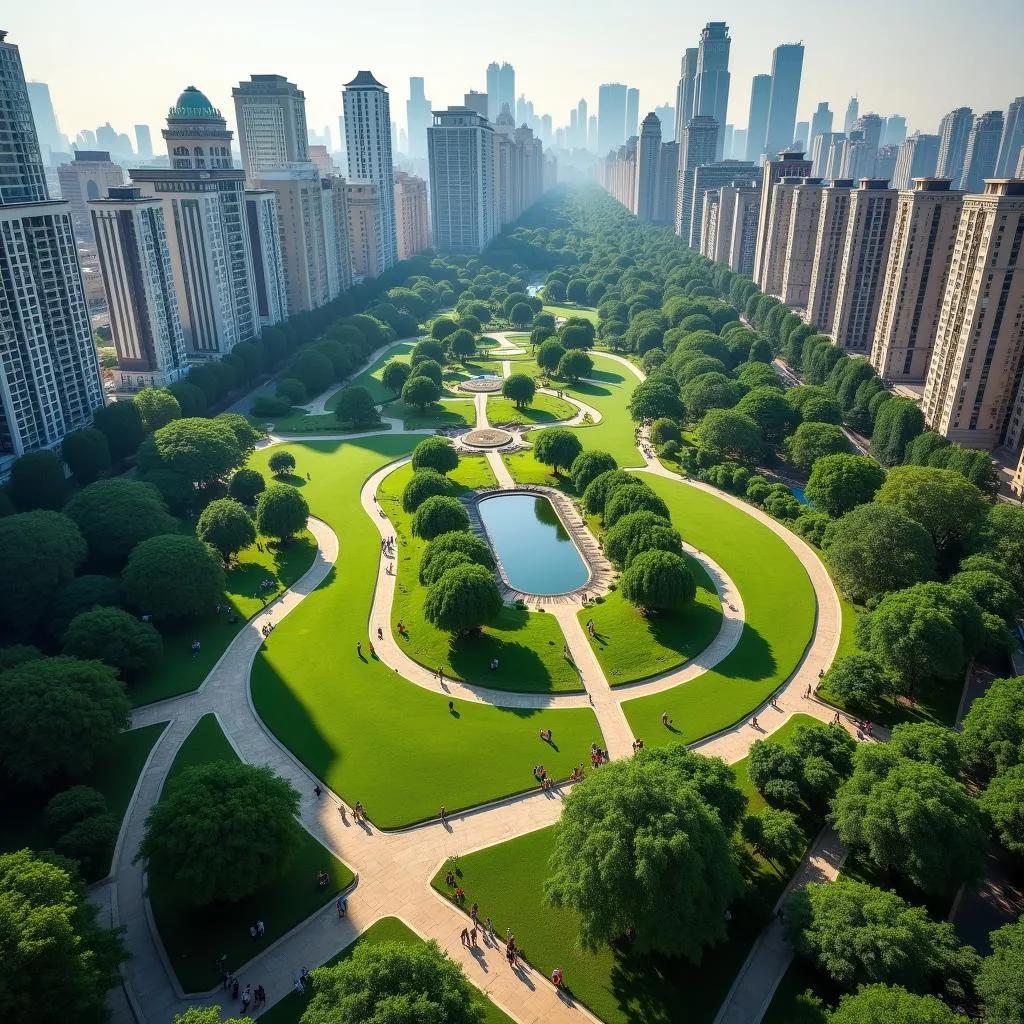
[126,63]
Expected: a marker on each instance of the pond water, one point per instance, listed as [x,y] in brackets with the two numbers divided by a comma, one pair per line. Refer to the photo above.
[536,552]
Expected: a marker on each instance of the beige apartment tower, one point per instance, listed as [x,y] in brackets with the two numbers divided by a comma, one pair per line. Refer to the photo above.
[828,254]
[801,245]
[788,165]
[923,237]
[364,228]
[777,235]
[412,216]
[973,391]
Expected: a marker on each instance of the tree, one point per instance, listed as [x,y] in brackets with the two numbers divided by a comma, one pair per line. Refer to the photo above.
[992,733]
[589,465]
[394,375]
[207,1015]
[428,368]
[420,391]
[388,982]
[90,842]
[990,590]
[663,430]
[775,834]
[312,368]
[638,846]
[355,406]
[41,550]
[768,408]
[116,514]
[880,1004]
[947,505]
[423,484]
[928,743]
[87,454]
[658,579]
[199,837]
[897,422]
[246,484]
[71,806]
[710,391]
[859,935]
[423,351]
[437,515]
[82,594]
[1000,979]
[774,770]
[519,388]
[190,398]
[913,820]
[463,598]
[56,715]
[157,407]
[654,399]
[1003,804]
[462,344]
[556,446]
[442,327]
[858,679]
[437,453]
[281,512]
[549,355]
[625,500]
[576,336]
[810,441]
[729,433]
[173,576]
[37,482]
[115,637]
[293,391]
[839,483]
[575,364]
[122,425]
[59,961]
[638,532]
[442,549]
[282,463]
[201,450]
[601,488]
[877,548]
[226,526]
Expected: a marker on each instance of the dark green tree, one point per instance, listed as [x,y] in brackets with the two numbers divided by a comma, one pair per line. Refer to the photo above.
[897,422]
[462,345]
[435,453]
[555,447]
[122,425]
[423,484]
[441,549]
[226,526]
[859,680]
[549,355]
[587,466]
[437,515]
[768,408]
[655,398]
[37,482]
[355,406]
[245,485]
[464,598]
[810,441]
[173,576]
[730,434]
[201,450]
[884,1004]
[1003,805]
[442,327]
[431,369]
[113,636]
[82,594]
[638,532]
[519,388]
[87,454]
[313,368]
[839,483]
[992,732]
[282,463]
[394,375]
[660,580]
[1000,979]
[575,364]
[775,834]
[625,500]
[601,488]
[710,391]
[281,512]
[157,407]
[420,391]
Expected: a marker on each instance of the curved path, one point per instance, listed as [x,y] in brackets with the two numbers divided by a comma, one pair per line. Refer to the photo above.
[394,868]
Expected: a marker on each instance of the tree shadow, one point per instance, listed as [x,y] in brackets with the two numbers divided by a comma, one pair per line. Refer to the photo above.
[519,667]
[752,658]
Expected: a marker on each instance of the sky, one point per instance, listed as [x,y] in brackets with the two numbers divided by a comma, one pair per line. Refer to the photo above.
[127,63]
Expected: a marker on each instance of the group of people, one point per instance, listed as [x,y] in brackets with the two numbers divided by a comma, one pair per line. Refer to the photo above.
[638,745]
[323,879]
[256,996]
[257,930]
[597,755]
[387,546]
[540,773]
[864,728]
[299,981]
[267,629]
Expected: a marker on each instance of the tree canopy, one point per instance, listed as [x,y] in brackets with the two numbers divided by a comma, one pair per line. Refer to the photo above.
[1000,980]
[201,450]
[658,579]
[519,388]
[112,635]
[355,406]
[394,375]
[421,391]
[810,441]
[587,466]
[281,512]
[173,576]
[423,484]
[157,407]
[882,1004]
[439,514]
[226,526]
[435,453]
[463,598]
[555,447]
[839,483]
[992,732]
[37,482]
[730,434]
[87,454]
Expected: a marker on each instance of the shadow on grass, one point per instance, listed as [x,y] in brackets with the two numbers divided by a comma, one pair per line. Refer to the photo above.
[519,667]
[594,390]
[752,658]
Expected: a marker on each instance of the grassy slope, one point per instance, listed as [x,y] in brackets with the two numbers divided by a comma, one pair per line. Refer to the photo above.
[779,605]
[370,734]
[528,645]
[195,937]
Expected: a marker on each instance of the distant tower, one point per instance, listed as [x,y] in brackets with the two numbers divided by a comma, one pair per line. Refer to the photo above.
[270,115]
[648,169]
[632,112]
[611,117]
[852,113]
[918,158]
[667,116]
[954,132]
[982,151]
[506,88]
[788,165]
[47,129]
[87,177]
[696,149]
[895,133]
[418,117]
[757,122]
[143,142]
[493,92]
[686,90]
[821,124]
[712,86]
[787,67]
[1013,140]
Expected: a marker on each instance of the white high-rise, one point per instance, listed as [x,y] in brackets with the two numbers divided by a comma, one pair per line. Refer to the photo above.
[368,143]
[261,220]
[648,177]
[270,115]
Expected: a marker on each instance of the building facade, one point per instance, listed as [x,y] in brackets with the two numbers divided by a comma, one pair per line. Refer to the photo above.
[412,214]
[982,150]
[757,120]
[954,132]
[787,165]
[711,176]
[1011,148]
[270,115]
[668,183]
[685,90]
[611,117]
[805,213]
[828,254]
[261,221]
[918,158]
[711,91]
[87,177]
[648,170]
[787,67]
[697,147]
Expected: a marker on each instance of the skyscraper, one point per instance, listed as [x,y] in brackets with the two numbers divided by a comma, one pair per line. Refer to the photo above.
[143,142]
[1013,139]
[632,112]
[828,254]
[87,177]
[270,115]
[668,184]
[923,238]
[821,124]
[460,144]
[982,150]
[871,126]
[418,117]
[918,158]
[801,134]
[261,221]
[412,214]
[591,133]
[611,117]
[686,90]
[667,116]
[973,391]
[696,148]
[730,130]
[49,376]
[757,121]
[821,150]
[648,169]
[362,200]
[47,129]
[712,176]
[801,245]
[506,88]
[895,130]
[711,97]
[787,67]
[852,113]
[581,123]
[954,131]
[788,165]
[368,141]
[493,93]
[777,235]
[476,101]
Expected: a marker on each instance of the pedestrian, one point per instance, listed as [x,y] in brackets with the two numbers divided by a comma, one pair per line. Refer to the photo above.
[252,931]
[342,906]
[246,998]
[464,936]
[440,676]
[317,790]
[753,722]
[380,633]
[443,815]
[297,984]
[358,810]
[234,988]
[451,706]
[665,720]
[308,477]
[472,936]
[489,929]
[359,648]
[260,928]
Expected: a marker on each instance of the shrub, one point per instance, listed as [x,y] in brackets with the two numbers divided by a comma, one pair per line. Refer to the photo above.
[439,514]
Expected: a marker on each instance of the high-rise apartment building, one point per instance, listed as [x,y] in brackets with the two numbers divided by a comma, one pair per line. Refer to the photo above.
[412,214]
[982,150]
[648,169]
[364,228]
[923,237]
[776,243]
[828,254]
[885,162]
[973,391]
[745,201]
[611,117]
[730,130]
[320,157]
[261,221]
[711,93]
[591,133]
[757,121]
[858,158]
[632,111]
[51,140]
[954,132]
[668,184]
[143,142]
[339,246]
[135,262]
[476,101]
[204,212]
[865,255]
[368,141]
[49,375]
[821,124]
[787,67]
[852,113]
[270,115]
[821,151]
[801,135]
[870,126]
[686,90]
[739,144]
[506,88]
[918,158]
[712,176]
[87,177]
[787,165]
[801,244]
[697,147]
[1012,145]
[667,116]
[418,117]
[460,144]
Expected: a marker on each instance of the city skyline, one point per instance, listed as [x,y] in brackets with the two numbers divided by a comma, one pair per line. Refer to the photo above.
[943,75]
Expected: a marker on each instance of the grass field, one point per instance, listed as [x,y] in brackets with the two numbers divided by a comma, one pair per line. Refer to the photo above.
[568,309]
[195,937]
[370,734]
[543,409]
[779,609]
[370,377]
[180,670]
[459,412]
[528,645]
[388,929]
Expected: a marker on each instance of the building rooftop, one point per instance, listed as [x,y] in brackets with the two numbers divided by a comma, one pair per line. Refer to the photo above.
[364,80]
[193,105]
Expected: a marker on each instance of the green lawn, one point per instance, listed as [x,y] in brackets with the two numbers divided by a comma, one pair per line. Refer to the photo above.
[370,377]
[181,670]
[298,421]
[195,937]
[525,469]
[543,409]
[633,646]
[370,734]
[115,774]
[453,413]
[528,645]
[388,929]
[779,605]
[571,309]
